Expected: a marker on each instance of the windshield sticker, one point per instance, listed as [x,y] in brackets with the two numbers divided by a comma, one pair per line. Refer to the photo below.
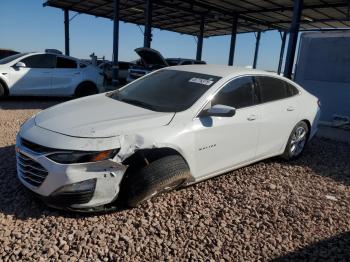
[201,81]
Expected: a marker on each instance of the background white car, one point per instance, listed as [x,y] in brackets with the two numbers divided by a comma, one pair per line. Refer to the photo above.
[48,74]
[173,127]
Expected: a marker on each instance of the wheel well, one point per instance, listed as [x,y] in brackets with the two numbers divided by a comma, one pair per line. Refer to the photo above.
[3,83]
[85,83]
[140,159]
[145,156]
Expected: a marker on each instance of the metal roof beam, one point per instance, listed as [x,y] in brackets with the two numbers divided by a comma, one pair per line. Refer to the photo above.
[230,13]
[278,9]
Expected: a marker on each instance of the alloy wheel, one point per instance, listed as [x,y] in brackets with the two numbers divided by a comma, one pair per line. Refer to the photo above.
[298,141]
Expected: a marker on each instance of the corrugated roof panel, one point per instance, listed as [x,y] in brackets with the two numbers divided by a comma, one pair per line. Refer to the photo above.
[183,16]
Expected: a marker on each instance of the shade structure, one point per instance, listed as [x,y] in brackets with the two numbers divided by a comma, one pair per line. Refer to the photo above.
[185,16]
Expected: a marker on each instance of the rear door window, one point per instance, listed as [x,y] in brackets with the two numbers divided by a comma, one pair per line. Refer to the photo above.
[292,90]
[40,61]
[238,93]
[63,62]
[272,89]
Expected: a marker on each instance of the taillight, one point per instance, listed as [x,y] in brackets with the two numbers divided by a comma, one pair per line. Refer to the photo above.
[319,102]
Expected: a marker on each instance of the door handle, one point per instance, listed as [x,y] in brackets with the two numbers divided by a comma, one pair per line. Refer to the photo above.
[290,108]
[77,73]
[251,117]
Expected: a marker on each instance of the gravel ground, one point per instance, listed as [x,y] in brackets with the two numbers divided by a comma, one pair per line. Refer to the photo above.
[271,210]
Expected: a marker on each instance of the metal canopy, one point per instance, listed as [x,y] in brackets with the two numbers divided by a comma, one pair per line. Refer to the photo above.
[185,16]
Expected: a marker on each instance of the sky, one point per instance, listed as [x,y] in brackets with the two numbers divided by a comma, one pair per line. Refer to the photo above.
[26,25]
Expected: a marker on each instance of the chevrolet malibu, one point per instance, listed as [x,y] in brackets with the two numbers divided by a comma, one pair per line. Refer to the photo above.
[172,128]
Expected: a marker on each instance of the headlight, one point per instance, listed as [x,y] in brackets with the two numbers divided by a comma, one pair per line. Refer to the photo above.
[74,157]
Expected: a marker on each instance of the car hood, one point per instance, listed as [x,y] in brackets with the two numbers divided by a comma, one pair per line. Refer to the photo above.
[99,116]
[151,56]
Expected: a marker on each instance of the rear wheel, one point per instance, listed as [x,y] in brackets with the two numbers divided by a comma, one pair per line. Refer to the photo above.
[297,141]
[86,89]
[2,91]
[162,175]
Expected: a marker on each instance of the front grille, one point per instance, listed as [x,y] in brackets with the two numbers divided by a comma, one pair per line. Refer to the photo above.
[31,171]
[35,147]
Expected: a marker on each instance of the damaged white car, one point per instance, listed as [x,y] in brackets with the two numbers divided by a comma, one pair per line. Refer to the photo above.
[171,128]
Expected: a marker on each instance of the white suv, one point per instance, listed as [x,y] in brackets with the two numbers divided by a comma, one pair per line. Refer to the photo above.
[47,74]
[171,128]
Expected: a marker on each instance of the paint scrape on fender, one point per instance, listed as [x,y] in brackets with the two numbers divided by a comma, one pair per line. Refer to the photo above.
[129,144]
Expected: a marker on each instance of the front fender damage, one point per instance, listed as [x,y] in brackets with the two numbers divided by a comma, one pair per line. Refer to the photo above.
[129,144]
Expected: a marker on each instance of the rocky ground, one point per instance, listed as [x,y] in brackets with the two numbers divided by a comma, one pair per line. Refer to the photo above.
[271,210]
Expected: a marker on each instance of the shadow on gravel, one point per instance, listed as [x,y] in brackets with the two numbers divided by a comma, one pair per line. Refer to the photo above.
[18,201]
[336,248]
[327,158]
[25,102]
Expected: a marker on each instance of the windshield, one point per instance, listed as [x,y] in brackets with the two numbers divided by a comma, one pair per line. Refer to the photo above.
[166,90]
[11,58]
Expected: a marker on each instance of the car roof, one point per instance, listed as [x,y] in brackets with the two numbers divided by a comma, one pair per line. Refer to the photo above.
[219,70]
[48,53]
[179,58]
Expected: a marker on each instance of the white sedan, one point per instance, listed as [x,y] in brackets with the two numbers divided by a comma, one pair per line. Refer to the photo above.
[48,74]
[174,127]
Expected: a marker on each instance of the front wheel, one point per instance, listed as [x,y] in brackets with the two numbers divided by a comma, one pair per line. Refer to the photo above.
[297,141]
[86,89]
[162,175]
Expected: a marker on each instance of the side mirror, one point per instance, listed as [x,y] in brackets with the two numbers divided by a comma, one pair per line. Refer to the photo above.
[20,64]
[219,110]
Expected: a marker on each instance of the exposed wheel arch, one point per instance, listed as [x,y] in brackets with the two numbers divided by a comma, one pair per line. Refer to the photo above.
[86,88]
[142,158]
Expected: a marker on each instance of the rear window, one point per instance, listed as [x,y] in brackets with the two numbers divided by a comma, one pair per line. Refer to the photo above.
[65,63]
[292,90]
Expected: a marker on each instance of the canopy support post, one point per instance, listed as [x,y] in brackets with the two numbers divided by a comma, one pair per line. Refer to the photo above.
[233,40]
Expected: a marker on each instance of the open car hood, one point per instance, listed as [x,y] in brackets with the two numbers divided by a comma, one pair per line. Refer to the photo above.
[151,57]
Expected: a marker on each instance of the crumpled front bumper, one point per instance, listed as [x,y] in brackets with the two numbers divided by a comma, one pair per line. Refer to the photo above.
[49,179]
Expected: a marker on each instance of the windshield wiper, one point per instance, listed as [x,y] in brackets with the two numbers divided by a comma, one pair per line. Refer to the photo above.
[137,103]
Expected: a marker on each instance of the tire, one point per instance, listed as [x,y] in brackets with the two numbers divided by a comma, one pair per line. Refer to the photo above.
[86,89]
[162,175]
[297,141]
[2,91]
